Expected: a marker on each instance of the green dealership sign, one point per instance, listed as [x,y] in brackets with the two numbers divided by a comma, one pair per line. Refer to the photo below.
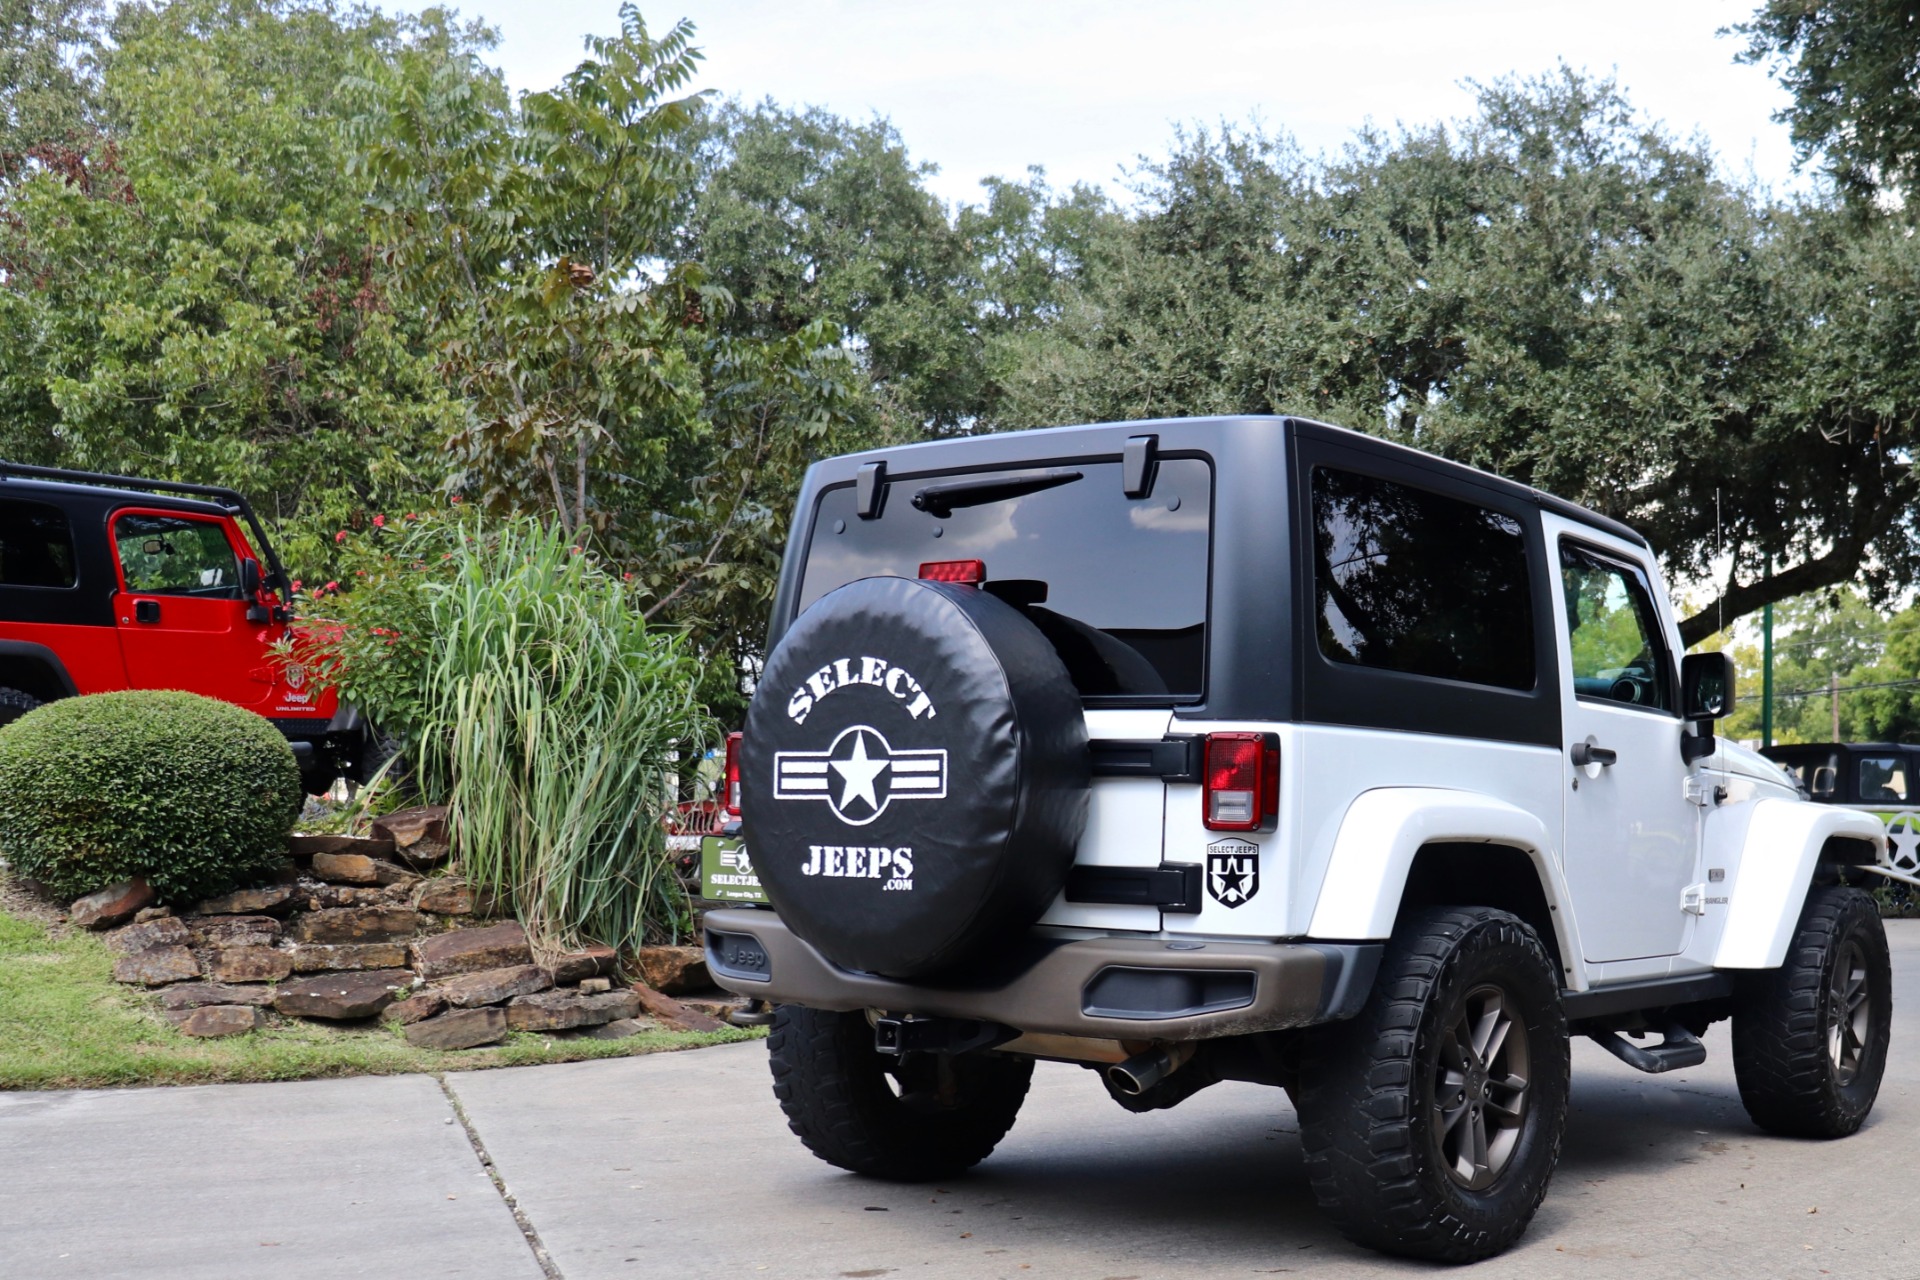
[726,871]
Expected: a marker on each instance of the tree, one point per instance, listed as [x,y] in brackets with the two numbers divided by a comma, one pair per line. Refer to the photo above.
[190,291]
[1850,66]
[805,216]
[1817,638]
[602,380]
[48,54]
[1551,290]
[1886,705]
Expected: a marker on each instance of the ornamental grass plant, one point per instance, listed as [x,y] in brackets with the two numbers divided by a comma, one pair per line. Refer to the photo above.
[536,704]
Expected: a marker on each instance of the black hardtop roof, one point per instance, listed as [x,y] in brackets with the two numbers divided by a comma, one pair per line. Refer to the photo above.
[106,492]
[1858,748]
[1041,445]
[94,495]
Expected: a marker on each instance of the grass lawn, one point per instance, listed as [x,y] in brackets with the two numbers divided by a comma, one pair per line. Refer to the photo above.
[64,1024]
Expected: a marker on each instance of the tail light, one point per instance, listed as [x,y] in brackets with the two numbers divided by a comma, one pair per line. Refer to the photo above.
[1241,782]
[967,572]
[733,775]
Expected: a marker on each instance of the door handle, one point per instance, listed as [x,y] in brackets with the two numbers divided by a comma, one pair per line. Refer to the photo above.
[1586,753]
[146,611]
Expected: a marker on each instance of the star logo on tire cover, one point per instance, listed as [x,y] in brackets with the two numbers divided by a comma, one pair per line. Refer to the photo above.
[860,775]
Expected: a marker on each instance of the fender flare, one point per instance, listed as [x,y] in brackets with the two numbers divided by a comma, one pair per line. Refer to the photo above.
[27,651]
[1779,843]
[1385,829]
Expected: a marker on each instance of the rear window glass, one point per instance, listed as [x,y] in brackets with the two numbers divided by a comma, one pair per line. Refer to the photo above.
[36,545]
[1118,584]
[1411,581]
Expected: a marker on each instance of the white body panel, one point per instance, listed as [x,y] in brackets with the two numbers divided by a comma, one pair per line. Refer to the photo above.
[1125,819]
[1632,838]
[1642,879]
[1386,828]
[1767,849]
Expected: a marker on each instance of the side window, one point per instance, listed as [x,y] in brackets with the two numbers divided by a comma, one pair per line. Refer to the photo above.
[1884,778]
[1617,654]
[1406,580]
[36,545]
[172,555]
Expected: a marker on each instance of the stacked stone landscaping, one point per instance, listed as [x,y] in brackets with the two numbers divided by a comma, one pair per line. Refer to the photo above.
[356,929]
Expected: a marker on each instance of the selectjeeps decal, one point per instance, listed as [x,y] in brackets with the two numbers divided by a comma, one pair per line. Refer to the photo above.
[860,775]
[1233,871]
[841,674]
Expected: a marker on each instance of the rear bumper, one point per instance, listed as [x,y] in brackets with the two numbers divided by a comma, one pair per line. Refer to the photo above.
[1103,987]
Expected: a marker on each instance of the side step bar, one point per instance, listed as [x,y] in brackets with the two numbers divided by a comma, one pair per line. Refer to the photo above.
[1681,1048]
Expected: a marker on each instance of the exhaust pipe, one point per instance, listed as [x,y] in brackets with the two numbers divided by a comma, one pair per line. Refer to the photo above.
[1148,1068]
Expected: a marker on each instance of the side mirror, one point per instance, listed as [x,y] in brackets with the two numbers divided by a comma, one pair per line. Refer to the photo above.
[1706,695]
[1826,781]
[249,578]
[1706,686]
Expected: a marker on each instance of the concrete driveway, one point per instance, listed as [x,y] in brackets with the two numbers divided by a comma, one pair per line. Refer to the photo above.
[679,1165]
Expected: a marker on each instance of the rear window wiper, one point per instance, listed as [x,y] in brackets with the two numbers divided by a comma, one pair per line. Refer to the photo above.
[941,500]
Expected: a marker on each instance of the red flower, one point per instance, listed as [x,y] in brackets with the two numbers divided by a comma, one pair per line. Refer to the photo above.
[340,536]
[379,522]
[456,498]
[331,586]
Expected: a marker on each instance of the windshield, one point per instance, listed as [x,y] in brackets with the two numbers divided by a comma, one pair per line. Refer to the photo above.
[1118,584]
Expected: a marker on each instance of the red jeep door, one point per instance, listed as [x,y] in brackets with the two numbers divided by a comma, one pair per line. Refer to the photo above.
[181,612]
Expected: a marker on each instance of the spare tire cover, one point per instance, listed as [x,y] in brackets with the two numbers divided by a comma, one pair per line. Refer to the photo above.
[914,774]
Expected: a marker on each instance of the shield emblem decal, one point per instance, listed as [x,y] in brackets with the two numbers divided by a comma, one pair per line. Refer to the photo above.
[1233,872]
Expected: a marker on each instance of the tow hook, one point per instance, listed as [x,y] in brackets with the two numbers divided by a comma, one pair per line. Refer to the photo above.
[905,1033]
[755,1013]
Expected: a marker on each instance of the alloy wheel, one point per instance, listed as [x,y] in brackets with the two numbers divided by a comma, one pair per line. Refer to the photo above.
[1849,1012]
[1480,1088]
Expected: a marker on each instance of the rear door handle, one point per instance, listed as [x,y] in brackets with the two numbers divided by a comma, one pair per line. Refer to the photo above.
[1588,752]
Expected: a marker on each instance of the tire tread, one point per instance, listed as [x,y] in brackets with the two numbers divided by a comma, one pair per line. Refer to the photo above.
[1357,1125]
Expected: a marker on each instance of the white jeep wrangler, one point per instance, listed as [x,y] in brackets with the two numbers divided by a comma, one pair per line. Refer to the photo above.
[1257,749]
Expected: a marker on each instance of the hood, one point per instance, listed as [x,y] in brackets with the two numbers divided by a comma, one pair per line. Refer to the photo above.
[1733,758]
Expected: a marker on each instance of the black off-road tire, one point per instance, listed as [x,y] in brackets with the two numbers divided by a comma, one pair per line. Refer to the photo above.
[1371,1091]
[840,1098]
[14,704]
[1810,1038]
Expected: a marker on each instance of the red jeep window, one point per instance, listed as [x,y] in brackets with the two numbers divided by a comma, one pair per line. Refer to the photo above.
[36,546]
[172,555]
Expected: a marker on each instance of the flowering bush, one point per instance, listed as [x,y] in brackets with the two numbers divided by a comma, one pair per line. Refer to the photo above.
[373,641]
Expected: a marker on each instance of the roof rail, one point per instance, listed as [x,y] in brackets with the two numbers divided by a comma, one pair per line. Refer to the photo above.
[232,499]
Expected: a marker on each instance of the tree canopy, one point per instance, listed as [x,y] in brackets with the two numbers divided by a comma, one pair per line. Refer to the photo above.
[323,254]
[1853,68]
[1552,289]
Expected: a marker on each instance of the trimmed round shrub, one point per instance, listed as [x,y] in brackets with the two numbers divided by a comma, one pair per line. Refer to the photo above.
[195,794]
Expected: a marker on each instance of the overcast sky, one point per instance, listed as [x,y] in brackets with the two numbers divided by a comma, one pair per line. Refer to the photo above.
[992,86]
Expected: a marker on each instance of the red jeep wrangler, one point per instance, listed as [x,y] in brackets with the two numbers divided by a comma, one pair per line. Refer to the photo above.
[108,582]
